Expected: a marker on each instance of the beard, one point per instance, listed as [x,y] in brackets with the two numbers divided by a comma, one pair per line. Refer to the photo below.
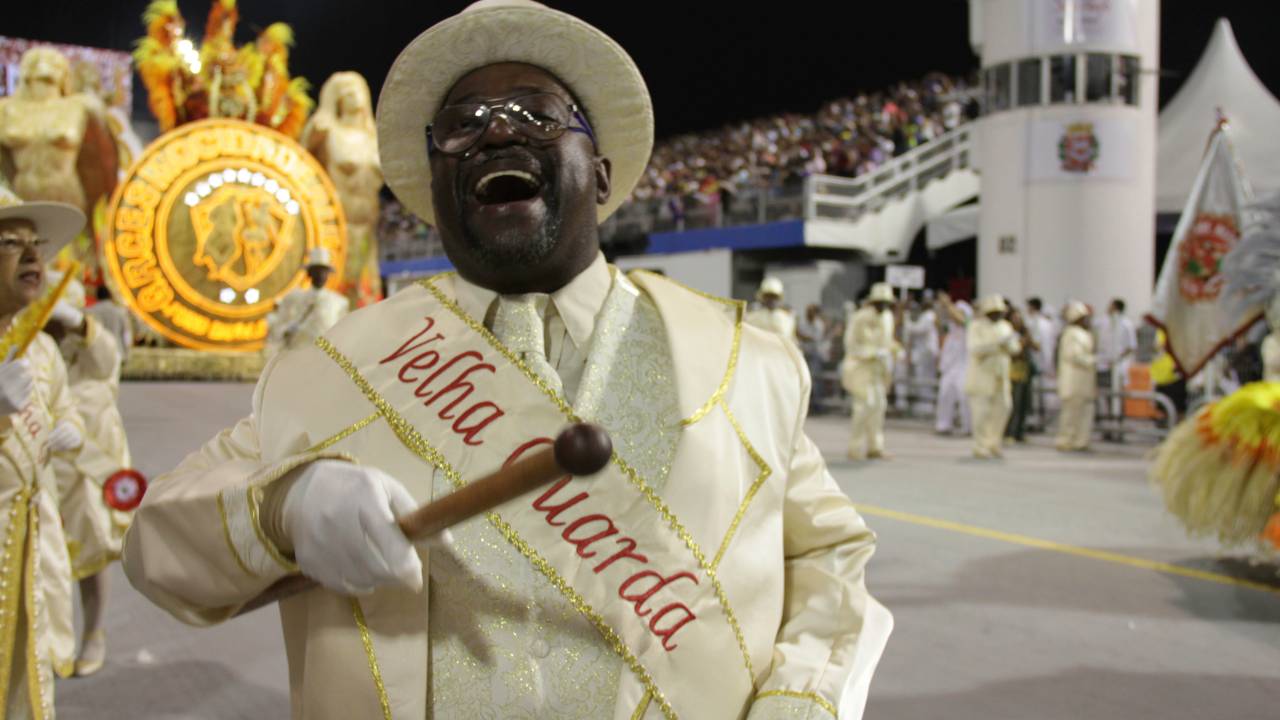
[518,248]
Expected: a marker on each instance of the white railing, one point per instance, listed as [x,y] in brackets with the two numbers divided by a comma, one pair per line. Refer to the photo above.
[835,198]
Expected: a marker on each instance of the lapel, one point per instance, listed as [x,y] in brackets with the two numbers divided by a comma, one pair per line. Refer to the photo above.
[704,333]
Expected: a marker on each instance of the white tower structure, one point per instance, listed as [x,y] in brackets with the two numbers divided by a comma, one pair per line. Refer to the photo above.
[1066,149]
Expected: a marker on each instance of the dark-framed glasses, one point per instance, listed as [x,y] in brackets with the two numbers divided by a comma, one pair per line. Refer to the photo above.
[541,117]
[15,244]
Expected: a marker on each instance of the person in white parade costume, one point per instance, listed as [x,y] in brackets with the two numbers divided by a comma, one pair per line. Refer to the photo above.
[306,313]
[770,314]
[867,370]
[1077,379]
[712,569]
[991,342]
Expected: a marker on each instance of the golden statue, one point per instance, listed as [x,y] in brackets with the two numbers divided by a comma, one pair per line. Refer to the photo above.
[54,143]
[341,134]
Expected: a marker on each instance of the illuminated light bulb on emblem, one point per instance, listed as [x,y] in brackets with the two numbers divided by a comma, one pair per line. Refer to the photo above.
[271,186]
[191,199]
[229,175]
[227,296]
[291,207]
[282,195]
[203,189]
[243,176]
[215,180]
[258,179]
[251,295]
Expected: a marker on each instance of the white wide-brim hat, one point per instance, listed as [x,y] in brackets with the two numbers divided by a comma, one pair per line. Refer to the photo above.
[880,292]
[770,286]
[58,223]
[1074,311]
[992,304]
[601,75]
[319,256]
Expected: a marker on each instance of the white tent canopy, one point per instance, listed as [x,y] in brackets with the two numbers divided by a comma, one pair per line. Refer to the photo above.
[1222,80]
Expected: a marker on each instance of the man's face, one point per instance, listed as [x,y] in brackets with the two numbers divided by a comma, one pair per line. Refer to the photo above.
[880,306]
[319,275]
[21,273]
[995,316]
[770,300]
[515,214]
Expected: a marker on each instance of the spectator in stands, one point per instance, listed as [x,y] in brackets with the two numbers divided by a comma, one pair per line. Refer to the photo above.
[813,332]
[1022,371]
[1117,343]
[953,406]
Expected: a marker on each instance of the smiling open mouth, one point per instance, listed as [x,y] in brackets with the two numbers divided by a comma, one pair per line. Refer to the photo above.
[507,186]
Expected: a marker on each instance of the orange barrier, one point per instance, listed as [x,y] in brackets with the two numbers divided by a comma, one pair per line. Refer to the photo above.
[1139,380]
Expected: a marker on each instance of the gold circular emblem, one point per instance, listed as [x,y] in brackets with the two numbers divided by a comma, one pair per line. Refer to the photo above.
[211,227]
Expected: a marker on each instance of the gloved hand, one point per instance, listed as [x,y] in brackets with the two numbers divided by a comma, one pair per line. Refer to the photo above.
[16,384]
[340,518]
[65,437]
[66,315]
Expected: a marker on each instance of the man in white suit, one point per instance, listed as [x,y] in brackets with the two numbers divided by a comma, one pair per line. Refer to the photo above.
[991,342]
[869,350]
[306,313]
[1077,379]
[712,570]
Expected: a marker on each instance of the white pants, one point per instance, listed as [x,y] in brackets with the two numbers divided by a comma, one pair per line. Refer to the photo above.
[866,434]
[990,416]
[952,403]
[1075,423]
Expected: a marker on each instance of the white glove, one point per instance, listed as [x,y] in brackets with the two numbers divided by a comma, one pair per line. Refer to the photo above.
[16,384]
[66,315]
[65,437]
[341,518]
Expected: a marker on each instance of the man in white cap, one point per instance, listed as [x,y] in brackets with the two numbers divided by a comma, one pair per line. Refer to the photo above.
[867,369]
[770,315]
[1077,379]
[712,570]
[304,314]
[953,361]
[37,418]
[992,342]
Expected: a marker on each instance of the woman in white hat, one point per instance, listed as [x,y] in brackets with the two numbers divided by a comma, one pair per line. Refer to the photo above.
[714,570]
[307,312]
[37,417]
[1077,379]
[992,342]
[869,350]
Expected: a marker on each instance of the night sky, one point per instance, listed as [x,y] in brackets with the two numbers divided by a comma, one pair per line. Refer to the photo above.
[706,64]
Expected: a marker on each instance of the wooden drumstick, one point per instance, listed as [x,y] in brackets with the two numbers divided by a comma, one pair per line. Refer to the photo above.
[581,449]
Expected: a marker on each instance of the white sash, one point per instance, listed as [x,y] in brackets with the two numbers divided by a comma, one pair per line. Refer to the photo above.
[461,400]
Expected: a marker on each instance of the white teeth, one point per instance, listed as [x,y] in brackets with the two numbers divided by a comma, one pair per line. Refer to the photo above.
[484,181]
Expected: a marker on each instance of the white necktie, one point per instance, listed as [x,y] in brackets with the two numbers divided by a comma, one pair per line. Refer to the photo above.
[518,324]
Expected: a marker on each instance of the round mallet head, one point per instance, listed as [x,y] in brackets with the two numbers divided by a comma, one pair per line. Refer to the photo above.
[124,490]
[583,449]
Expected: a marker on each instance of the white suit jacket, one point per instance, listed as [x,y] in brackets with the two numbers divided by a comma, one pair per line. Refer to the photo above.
[751,490]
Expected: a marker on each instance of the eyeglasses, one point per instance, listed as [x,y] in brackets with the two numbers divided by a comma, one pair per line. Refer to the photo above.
[541,117]
[14,245]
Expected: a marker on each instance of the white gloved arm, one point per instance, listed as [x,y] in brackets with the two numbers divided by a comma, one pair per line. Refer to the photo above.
[67,315]
[65,436]
[340,519]
[16,384]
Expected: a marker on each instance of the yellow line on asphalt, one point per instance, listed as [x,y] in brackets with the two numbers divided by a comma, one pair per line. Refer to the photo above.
[1051,546]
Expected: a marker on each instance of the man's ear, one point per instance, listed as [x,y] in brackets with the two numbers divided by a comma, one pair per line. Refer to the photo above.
[604,179]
